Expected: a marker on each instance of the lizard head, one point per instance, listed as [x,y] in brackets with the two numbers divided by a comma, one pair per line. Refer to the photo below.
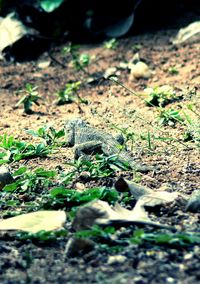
[71,126]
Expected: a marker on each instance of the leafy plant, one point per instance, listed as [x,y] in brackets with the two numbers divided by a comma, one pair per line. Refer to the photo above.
[62,197]
[31,97]
[111,44]
[14,150]
[79,61]
[100,166]
[169,117]
[70,94]
[50,135]
[30,181]
[159,96]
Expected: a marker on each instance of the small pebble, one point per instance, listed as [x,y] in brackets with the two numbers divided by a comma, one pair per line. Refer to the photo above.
[114,259]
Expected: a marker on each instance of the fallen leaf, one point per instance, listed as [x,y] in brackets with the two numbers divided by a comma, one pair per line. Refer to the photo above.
[146,195]
[191,33]
[101,213]
[35,221]
[158,198]
[11,30]
[136,190]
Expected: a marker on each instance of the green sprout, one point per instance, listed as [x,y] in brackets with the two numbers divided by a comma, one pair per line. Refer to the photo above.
[31,97]
[111,44]
[160,96]
[169,117]
[69,94]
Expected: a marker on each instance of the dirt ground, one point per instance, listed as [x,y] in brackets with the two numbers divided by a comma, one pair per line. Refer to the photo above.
[176,161]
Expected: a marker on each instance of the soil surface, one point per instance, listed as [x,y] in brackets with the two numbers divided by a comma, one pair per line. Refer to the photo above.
[110,107]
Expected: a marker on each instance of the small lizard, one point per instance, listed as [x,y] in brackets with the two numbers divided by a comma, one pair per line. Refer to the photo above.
[89,140]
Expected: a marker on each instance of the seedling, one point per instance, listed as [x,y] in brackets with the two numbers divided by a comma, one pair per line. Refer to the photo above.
[70,94]
[173,70]
[79,61]
[31,97]
[169,117]
[193,127]
[136,47]
[50,135]
[111,44]
[160,96]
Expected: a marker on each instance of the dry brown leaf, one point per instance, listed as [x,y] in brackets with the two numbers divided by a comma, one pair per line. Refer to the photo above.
[35,221]
[101,213]
[147,196]
[158,198]
[190,33]
[11,30]
[136,190]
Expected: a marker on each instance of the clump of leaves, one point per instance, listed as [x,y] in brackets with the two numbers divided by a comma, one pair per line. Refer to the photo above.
[70,94]
[111,44]
[31,97]
[49,134]
[26,180]
[62,197]
[160,96]
[169,117]
[14,150]
[100,166]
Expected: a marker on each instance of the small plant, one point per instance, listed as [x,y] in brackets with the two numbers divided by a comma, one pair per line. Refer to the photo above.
[31,97]
[100,166]
[50,135]
[136,47]
[169,117]
[70,94]
[193,127]
[111,44]
[159,96]
[173,70]
[26,180]
[79,61]
[14,150]
[60,197]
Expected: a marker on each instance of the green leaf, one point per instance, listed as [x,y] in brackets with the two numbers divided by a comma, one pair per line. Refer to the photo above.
[20,171]
[50,5]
